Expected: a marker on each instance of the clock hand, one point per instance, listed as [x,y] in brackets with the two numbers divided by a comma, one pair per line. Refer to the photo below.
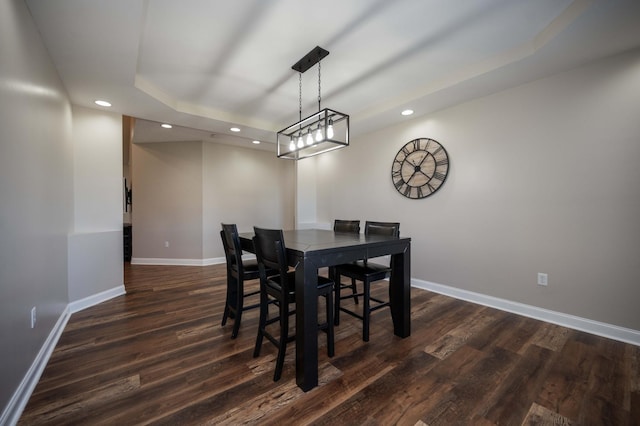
[423,158]
[425,175]
[410,162]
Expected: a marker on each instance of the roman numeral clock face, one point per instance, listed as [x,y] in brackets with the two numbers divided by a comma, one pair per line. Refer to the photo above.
[420,168]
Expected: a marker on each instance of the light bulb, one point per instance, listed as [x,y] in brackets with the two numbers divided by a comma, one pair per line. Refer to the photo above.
[319,134]
[292,145]
[300,142]
[330,130]
[309,138]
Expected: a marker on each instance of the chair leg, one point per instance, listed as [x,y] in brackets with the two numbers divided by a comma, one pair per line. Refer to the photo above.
[258,346]
[225,315]
[284,333]
[330,331]
[239,307]
[236,324]
[227,312]
[366,312]
[262,323]
[354,290]
[336,311]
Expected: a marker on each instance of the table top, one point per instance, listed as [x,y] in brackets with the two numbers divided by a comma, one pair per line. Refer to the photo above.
[318,240]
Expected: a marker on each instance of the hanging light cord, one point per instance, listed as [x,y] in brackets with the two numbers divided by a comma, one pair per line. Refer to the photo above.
[300,95]
[319,97]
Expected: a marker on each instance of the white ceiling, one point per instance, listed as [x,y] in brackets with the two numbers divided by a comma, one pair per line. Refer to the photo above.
[213,64]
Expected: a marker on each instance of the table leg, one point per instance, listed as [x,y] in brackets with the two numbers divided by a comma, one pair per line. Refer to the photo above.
[306,325]
[400,292]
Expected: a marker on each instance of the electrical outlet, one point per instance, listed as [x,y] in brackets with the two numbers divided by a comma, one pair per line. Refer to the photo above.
[33,317]
[542,278]
[166,243]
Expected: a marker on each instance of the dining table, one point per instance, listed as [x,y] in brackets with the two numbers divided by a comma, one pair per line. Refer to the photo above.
[311,249]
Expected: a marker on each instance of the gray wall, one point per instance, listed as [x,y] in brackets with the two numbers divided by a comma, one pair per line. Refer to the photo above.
[95,245]
[247,187]
[36,192]
[544,178]
[61,211]
[167,200]
[184,190]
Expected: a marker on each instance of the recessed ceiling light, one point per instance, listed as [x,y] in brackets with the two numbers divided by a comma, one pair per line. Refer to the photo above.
[166,126]
[407,112]
[256,142]
[234,129]
[102,103]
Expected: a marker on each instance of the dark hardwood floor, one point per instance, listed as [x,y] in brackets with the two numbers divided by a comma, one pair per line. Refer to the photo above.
[159,356]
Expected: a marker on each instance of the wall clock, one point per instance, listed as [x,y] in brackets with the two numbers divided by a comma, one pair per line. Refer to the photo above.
[420,168]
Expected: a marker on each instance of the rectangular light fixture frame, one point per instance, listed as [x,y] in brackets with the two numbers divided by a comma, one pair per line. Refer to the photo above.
[323,119]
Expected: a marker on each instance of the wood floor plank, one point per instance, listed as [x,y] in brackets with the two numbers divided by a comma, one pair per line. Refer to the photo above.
[509,331]
[65,410]
[318,403]
[474,389]
[442,379]
[539,415]
[635,408]
[365,404]
[550,336]
[631,367]
[158,355]
[454,339]
[566,385]
[512,399]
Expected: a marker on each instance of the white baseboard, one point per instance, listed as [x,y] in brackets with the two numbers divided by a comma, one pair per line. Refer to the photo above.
[13,410]
[184,262]
[609,331]
[94,299]
[314,225]
[177,262]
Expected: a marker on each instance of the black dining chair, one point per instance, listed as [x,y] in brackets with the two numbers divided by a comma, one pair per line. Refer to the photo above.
[352,227]
[367,272]
[238,271]
[279,290]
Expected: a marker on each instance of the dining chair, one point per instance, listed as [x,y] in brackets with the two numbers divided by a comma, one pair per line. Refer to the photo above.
[353,227]
[238,271]
[367,272]
[279,290]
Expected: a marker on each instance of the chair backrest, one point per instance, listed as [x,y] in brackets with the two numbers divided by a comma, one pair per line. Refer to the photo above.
[352,226]
[271,253]
[232,248]
[382,228]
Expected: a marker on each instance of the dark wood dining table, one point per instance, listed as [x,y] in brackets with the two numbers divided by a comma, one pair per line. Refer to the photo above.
[311,249]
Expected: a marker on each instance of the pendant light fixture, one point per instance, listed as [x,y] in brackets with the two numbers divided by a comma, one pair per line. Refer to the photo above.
[324,131]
